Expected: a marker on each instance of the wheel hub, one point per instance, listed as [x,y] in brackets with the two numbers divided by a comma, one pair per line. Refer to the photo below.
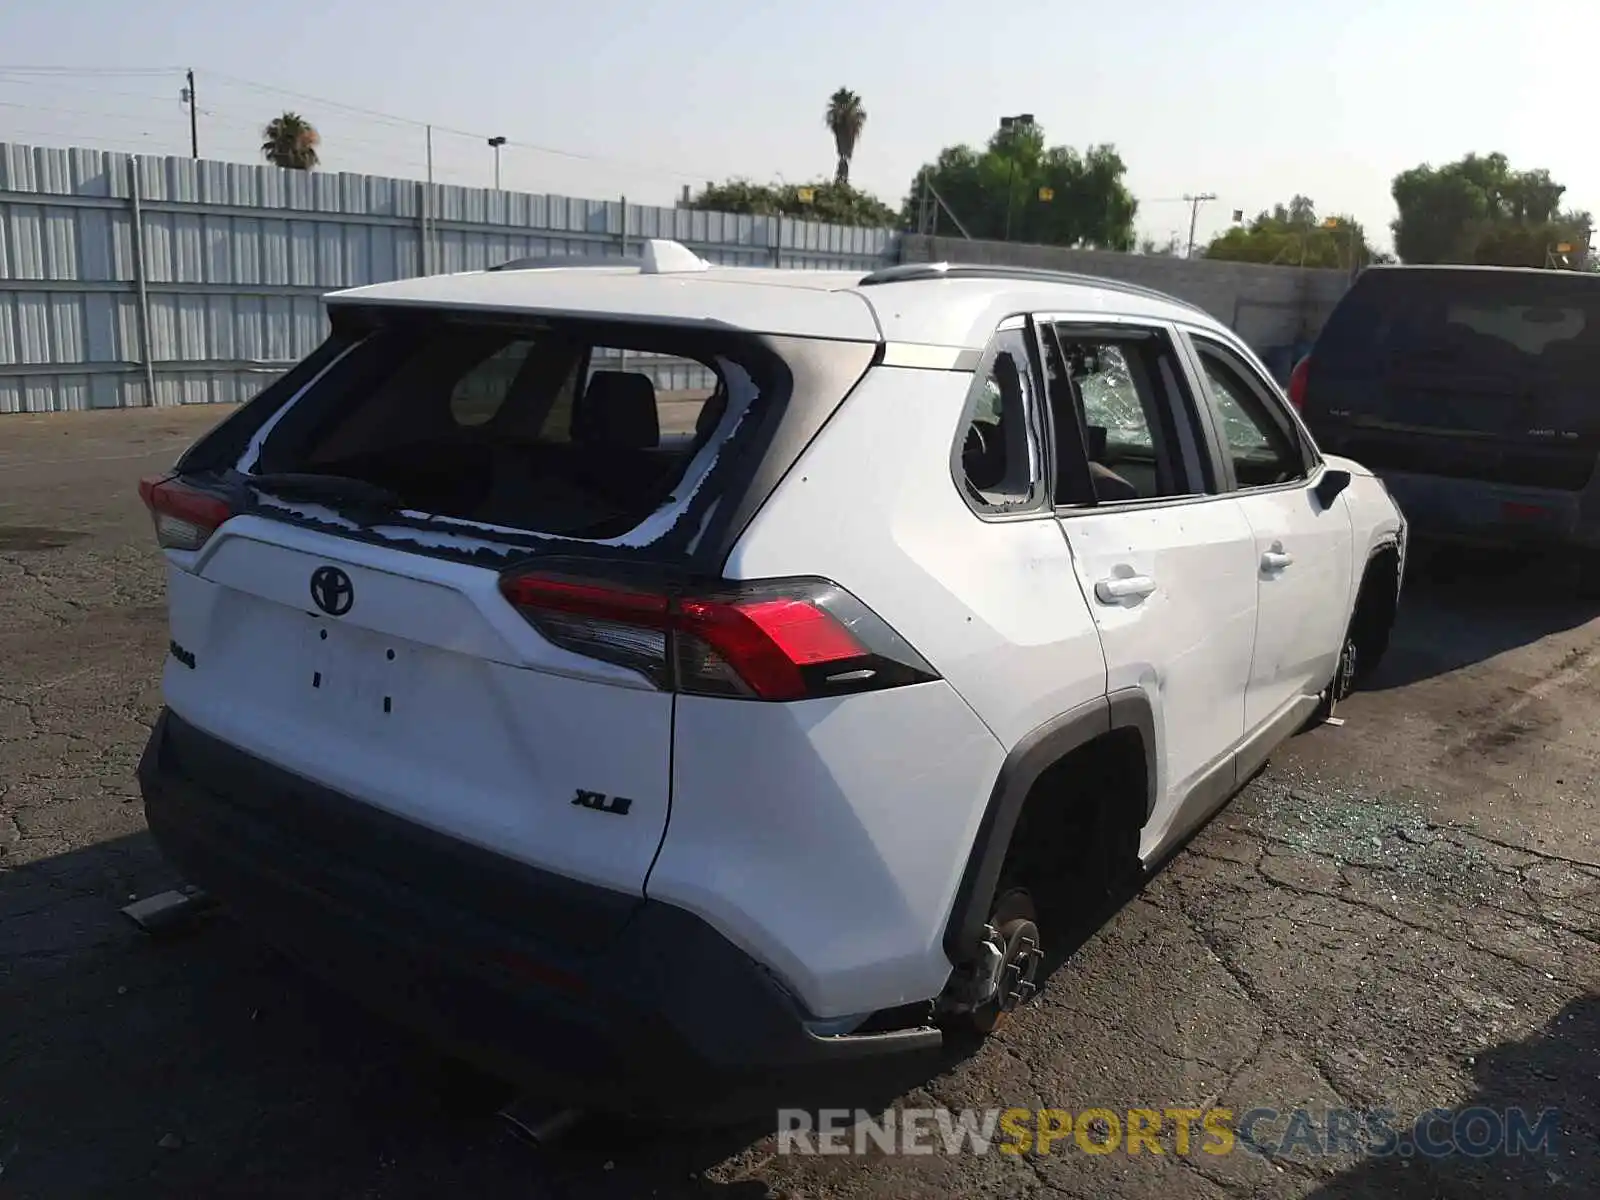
[1347,671]
[1019,971]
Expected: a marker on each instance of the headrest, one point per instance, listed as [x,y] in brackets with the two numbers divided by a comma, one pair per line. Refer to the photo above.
[710,414]
[618,409]
[1008,377]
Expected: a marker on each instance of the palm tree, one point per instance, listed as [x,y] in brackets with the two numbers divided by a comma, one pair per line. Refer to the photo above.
[291,141]
[845,118]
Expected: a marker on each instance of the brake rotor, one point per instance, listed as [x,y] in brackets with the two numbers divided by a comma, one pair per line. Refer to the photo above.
[1019,969]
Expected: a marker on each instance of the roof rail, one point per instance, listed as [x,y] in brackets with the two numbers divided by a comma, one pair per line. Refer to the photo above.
[569,262]
[661,257]
[909,272]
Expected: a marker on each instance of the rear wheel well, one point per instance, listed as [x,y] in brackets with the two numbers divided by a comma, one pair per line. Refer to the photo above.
[1076,842]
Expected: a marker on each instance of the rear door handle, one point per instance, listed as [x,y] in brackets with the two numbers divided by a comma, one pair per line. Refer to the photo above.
[1276,560]
[1124,587]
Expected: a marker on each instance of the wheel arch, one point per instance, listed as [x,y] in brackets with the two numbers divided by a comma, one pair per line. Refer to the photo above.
[1034,754]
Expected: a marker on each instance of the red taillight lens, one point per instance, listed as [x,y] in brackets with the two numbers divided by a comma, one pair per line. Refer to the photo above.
[1297,382]
[786,640]
[184,516]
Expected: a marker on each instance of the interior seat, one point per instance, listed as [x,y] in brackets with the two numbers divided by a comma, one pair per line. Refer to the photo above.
[616,431]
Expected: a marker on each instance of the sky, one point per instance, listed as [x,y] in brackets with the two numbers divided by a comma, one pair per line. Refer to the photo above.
[1249,100]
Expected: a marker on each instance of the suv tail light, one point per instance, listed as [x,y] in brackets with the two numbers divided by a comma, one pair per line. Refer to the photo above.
[184,517]
[1297,383]
[777,640]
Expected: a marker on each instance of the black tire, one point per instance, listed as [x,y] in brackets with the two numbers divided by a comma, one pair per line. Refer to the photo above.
[1014,916]
[1588,582]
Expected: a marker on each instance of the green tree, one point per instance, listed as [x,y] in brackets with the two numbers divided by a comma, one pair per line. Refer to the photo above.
[1293,235]
[1049,194]
[291,141]
[1479,210]
[827,200]
[845,119]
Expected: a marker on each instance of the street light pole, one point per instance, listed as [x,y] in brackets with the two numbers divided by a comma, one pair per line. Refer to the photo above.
[1195,202]
[496,143]
[1021,121]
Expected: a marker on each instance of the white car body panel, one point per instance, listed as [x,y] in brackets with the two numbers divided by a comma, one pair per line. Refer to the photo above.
[995,606]
[826,838]
[489,732]
[1188,644]
[1301,618]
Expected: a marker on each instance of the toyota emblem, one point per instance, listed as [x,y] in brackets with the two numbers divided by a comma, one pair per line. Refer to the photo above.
[332,591]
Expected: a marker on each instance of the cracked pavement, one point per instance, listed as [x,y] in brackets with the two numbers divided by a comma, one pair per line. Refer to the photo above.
[1400,913]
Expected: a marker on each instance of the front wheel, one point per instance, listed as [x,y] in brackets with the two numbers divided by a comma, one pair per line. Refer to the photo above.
[1345,673]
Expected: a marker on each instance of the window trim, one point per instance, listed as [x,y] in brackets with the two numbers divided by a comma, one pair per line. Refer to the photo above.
[1042,470]
[1278,410]
[1195,458]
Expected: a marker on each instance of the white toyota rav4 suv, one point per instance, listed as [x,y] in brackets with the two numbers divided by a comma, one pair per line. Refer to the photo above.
[641,673]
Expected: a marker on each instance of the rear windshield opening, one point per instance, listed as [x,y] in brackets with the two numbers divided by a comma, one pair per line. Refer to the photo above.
[540,429]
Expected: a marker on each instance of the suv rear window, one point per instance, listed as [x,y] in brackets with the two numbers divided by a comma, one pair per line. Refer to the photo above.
[546,429]
[1535,325]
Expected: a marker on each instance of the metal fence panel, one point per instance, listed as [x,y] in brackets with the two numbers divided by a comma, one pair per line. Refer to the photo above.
[233,259]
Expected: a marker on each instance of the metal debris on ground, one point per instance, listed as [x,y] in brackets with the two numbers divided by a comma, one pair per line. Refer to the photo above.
[168,912]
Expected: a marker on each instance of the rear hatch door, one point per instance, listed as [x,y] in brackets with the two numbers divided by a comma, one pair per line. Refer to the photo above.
[407,681]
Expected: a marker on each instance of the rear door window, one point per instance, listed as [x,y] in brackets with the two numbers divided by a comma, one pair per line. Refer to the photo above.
[1124,423]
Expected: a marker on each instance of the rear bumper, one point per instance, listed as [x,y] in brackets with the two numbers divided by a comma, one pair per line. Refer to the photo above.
[1442,508]
[643,1008]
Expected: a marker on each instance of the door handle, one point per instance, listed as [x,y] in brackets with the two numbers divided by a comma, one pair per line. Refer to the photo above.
[1276,560]
[1124,587]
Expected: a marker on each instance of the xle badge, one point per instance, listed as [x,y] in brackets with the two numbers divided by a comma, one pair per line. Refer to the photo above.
[600,802]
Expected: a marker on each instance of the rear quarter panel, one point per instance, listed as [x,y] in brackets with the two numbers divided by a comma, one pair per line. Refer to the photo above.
[828,838]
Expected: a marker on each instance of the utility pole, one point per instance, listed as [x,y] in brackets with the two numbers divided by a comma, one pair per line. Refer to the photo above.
[1195,201]
[427,208]
[495,143]
[194,117]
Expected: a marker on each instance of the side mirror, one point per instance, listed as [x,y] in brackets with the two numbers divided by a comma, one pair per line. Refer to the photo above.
[1330,485]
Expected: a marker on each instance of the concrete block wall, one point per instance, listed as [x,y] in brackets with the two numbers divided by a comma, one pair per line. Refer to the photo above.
[1272,308]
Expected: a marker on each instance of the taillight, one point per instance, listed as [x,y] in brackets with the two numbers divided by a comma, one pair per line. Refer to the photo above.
[1297,382]
[777,640]
[184,517]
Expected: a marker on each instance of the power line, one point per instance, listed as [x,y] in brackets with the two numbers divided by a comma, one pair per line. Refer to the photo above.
[535,147]
[89,72]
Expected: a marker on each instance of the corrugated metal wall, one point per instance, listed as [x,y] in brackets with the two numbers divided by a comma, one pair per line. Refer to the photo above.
[233,258]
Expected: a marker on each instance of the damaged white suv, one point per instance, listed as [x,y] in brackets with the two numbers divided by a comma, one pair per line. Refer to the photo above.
[644,674]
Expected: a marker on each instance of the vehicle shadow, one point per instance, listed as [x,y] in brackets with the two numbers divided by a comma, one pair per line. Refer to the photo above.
[205,1064]
[1460,607]
[1558,1068]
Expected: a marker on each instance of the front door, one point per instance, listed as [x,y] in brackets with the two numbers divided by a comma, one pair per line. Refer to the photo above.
[1303,549]
[1166,563]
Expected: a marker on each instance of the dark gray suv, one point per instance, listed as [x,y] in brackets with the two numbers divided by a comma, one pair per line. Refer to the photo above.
[1474,394]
